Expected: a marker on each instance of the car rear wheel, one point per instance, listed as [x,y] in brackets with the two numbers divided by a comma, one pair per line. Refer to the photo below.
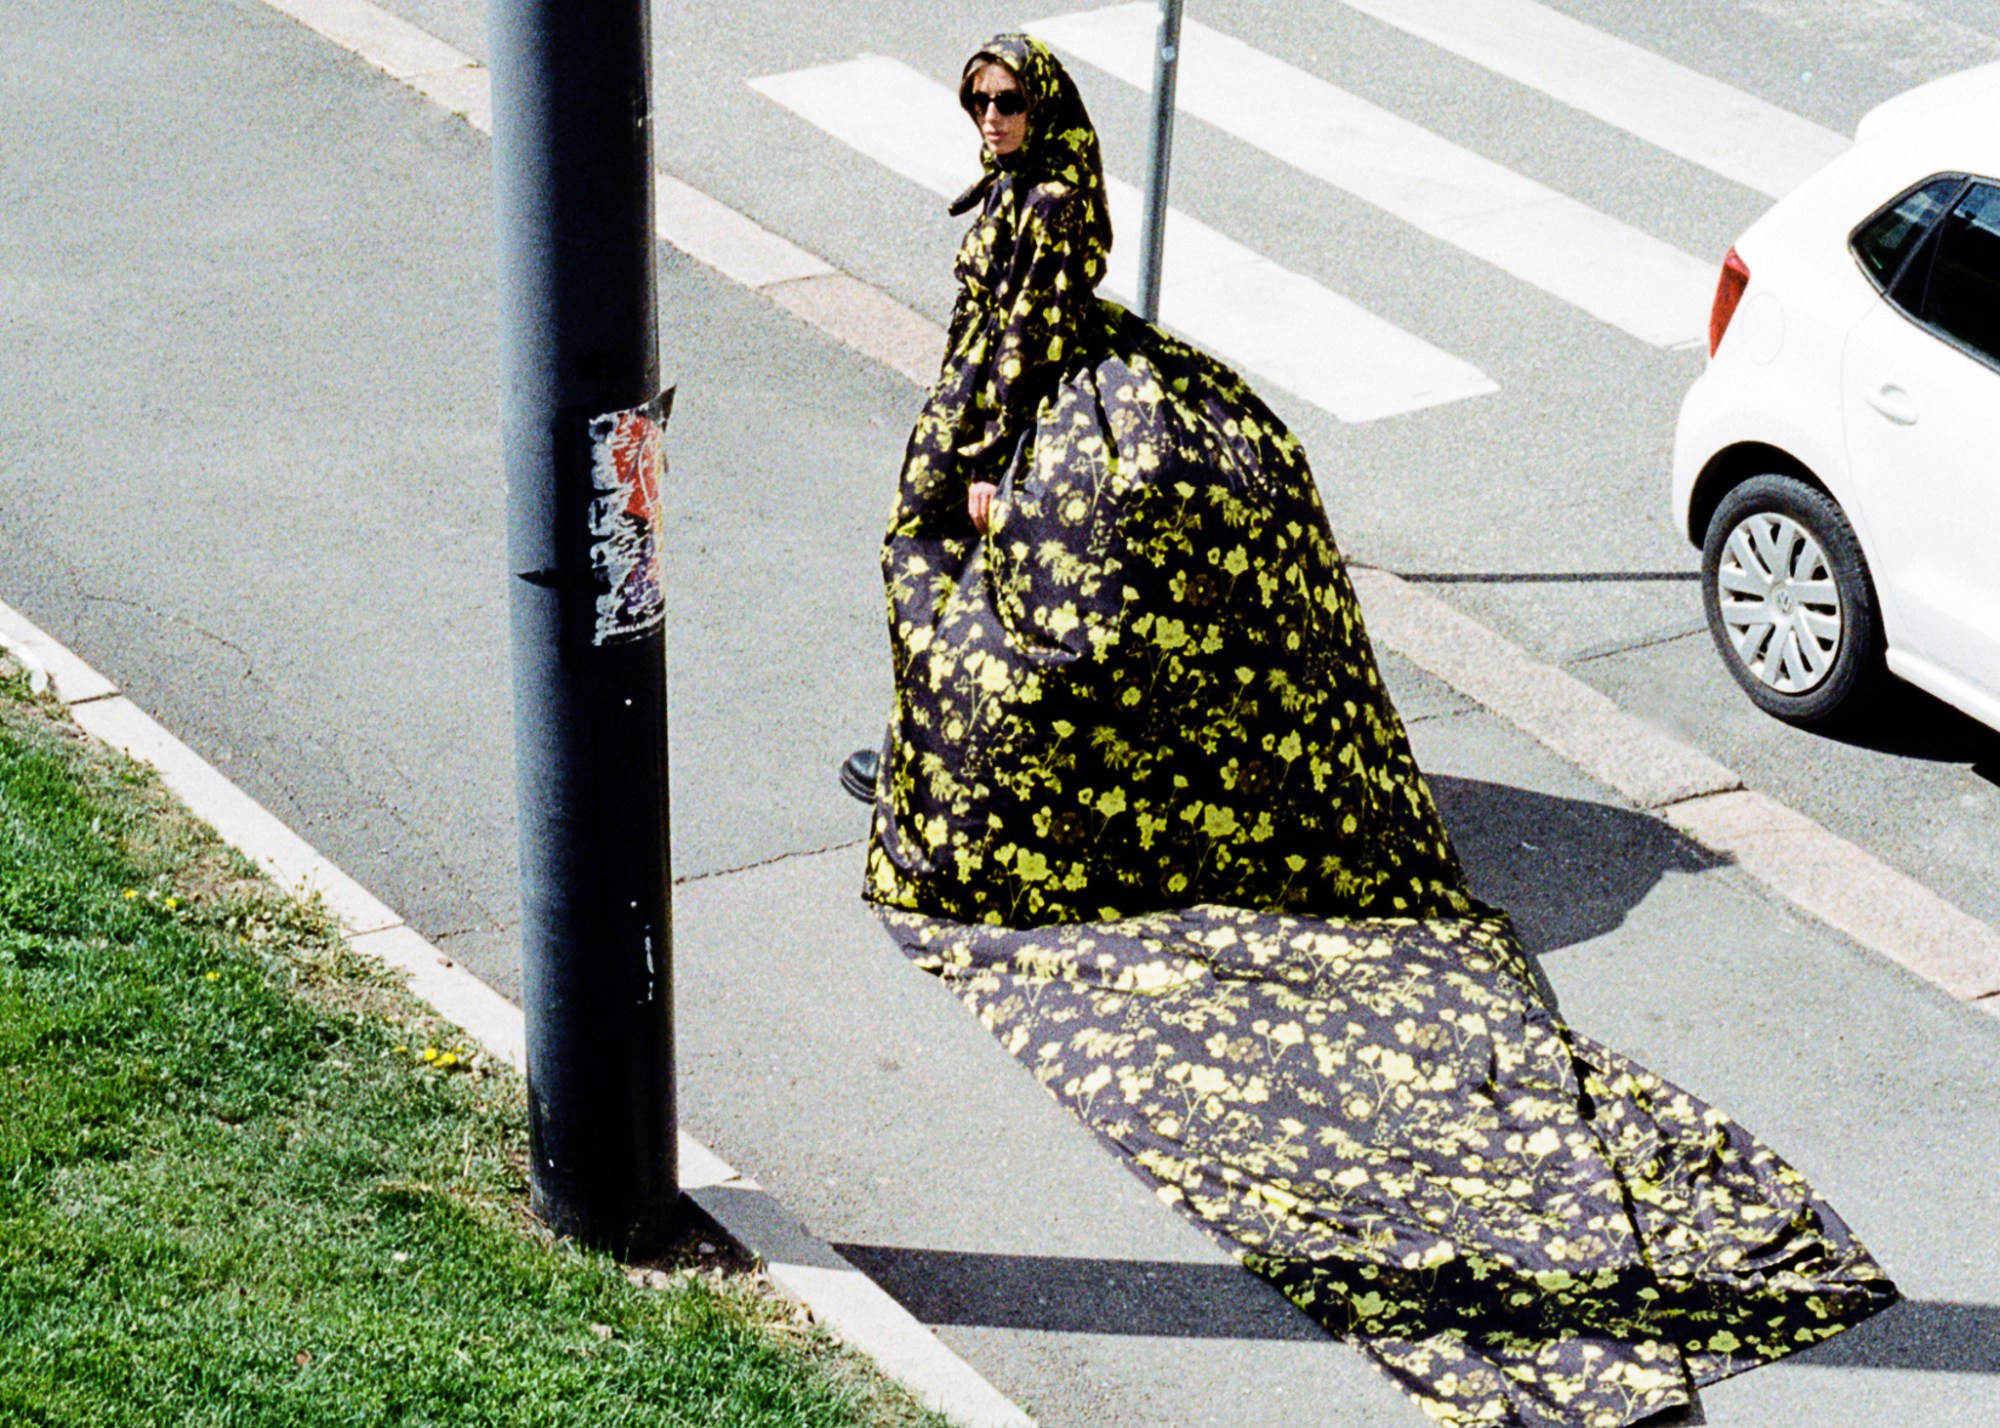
[1790,603]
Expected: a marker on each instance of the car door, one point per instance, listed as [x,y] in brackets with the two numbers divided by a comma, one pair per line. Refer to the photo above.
[1920,397]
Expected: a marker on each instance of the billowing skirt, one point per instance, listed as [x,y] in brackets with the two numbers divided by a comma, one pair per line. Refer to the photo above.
[1148,809]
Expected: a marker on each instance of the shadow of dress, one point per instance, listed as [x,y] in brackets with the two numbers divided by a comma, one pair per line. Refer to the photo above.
[1147,809]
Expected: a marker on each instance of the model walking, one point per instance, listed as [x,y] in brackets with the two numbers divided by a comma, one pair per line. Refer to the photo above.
[1146,807]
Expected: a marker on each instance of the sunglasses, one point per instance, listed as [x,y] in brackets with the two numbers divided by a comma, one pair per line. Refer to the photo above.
[1011,103]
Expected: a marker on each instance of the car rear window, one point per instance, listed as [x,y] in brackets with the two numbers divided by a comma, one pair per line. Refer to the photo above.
[1884,241]
[1962,290]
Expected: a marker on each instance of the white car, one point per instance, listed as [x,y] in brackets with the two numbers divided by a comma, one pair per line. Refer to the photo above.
[1838,462]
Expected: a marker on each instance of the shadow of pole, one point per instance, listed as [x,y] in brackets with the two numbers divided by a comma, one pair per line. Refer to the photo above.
[1183,1300]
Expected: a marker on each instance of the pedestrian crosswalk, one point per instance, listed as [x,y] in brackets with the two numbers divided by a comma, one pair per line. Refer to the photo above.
[1610,270]
[1691,115]
[1273,323]
[1288,328]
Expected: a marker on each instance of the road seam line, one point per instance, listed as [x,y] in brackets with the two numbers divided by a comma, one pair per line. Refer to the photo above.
[859,1312]
[769,862]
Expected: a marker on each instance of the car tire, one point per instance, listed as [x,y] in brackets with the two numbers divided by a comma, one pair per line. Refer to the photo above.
[1810,650]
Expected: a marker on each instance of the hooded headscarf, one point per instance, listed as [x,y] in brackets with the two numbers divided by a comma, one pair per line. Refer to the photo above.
[1061,142]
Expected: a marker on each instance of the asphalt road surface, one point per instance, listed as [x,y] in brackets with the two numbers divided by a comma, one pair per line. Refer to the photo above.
[249,468]
[1543,502]
[1515,416]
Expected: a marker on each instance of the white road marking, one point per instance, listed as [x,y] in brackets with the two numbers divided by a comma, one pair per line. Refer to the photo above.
[1275,324]
[1673,108]
[1609,269]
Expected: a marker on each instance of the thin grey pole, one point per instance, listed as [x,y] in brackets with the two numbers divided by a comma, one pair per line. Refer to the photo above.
[1159,158]
[579,347]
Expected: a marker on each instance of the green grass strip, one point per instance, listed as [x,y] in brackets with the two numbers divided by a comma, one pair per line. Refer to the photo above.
[244,1179]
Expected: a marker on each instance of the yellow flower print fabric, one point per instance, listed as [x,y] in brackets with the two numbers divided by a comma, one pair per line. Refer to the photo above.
[1383,1117]
[1148,810]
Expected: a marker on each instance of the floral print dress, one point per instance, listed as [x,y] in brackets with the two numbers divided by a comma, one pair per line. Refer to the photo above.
[1147,808]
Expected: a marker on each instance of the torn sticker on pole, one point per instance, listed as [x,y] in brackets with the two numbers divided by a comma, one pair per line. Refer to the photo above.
[627,465]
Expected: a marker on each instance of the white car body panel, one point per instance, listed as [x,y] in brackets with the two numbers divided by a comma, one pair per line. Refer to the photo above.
[1968,90]
[1793,369]
[1926,473]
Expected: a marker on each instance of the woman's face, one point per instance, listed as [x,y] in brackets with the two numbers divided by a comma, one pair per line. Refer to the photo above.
[1003,133]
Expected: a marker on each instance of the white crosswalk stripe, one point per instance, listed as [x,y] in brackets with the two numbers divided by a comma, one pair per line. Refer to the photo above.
[1609,269]
[1275,324]
[1698,118]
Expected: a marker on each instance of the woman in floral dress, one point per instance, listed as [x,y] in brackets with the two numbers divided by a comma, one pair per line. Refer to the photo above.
[1146,807]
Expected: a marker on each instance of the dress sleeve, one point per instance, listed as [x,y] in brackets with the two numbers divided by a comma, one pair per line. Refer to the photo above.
[1049,283]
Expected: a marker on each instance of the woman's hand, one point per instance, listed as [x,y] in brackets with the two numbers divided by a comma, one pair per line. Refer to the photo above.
[979,503]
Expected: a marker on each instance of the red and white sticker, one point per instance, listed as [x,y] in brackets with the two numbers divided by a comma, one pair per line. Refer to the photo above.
[628,465]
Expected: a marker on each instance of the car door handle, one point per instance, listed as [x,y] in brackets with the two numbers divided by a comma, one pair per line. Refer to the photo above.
[1894,403]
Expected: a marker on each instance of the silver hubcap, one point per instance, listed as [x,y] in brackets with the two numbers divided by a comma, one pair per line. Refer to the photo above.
[1780,606]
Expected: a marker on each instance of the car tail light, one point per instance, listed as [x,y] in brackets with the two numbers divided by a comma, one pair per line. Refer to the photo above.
[1728,292]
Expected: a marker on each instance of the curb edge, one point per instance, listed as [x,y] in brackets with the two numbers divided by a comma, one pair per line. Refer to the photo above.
[805,1269]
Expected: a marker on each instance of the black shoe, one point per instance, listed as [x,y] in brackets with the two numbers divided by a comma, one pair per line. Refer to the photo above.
[858,772]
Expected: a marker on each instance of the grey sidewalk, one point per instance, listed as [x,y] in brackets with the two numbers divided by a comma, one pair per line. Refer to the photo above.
[250,472]
[905,1135]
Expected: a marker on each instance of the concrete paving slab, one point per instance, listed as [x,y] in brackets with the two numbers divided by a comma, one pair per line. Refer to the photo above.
[932,1159]
[863,1095]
